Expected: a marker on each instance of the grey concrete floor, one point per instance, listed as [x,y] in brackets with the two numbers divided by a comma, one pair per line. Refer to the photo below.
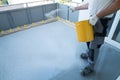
[47,52]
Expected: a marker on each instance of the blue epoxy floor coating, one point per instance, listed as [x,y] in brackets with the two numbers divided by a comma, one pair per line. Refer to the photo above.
[39,53]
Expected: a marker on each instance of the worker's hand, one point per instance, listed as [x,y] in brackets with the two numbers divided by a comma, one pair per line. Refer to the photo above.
[93,20]
[72,9]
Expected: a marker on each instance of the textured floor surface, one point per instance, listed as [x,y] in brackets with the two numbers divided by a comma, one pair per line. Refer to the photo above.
[41,53]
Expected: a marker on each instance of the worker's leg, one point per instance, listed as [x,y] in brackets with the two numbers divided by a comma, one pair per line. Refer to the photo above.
[100,30]
[85,55]
[89,68]
[100,33]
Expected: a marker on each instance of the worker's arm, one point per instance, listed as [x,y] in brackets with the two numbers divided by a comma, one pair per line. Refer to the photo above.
[82,7]
[110,9]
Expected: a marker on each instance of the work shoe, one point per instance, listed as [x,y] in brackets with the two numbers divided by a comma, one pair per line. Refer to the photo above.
[84,56]
[87,70]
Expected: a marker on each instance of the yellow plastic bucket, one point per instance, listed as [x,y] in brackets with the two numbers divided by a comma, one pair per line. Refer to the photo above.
[84,31]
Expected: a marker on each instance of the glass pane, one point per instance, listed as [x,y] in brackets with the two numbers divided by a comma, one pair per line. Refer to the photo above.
[116,35]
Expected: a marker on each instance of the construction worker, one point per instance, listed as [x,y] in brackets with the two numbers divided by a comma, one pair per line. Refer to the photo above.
[100,12]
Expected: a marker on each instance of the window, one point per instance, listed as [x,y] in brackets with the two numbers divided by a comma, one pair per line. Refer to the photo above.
[114,35]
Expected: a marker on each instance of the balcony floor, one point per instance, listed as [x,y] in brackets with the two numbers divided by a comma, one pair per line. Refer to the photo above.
[46,52]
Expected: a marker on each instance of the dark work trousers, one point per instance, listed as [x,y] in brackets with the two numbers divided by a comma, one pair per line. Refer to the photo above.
[99,35]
